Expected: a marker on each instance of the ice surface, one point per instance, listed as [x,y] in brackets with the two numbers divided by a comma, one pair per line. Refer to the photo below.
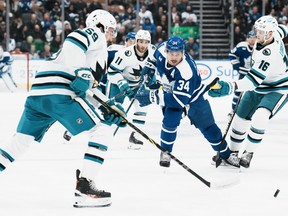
[42,182]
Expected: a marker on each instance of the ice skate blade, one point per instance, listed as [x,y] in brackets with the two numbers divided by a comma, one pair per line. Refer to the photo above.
[82,201]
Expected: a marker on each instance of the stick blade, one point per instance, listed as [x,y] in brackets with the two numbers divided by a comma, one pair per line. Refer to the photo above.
[225,184]
[218,161]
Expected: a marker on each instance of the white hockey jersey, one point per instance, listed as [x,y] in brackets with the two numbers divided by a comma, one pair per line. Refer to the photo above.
[126,64]
[83,48]
[269,71]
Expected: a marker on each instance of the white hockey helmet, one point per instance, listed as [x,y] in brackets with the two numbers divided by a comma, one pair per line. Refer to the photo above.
[143,34]
[101,18]
[266,24]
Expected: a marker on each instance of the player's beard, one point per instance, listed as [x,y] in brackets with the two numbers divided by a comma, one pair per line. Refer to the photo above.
[141,49]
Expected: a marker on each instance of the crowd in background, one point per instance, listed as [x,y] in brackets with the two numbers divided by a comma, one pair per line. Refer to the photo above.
[36,27]
[246,12]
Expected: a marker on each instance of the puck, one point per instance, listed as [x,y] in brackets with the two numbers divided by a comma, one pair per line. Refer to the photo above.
[276,193]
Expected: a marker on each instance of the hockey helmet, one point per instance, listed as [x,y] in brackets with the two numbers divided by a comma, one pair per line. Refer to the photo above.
[143,34]
[266,24]
[175,44]
[130,35]
[251,34]
[101,18]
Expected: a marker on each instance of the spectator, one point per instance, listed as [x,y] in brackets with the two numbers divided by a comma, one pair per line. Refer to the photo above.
[154,7]
[188,13]
[253,16]
[67,28]
[174,14]
[164,22]
[158,15]
[55,44]
[189,22]
[144,13]
[46,22]
[25,45]
[2,30]
[192,47]
[33,54]
[147,25]
[182,5]
[129,19]
[46,54]
[177,21]
[24,6]
[238,35]
[33,22]
[120,39]
[160,35]
[94,5]
[17,29]
[55,13]
[51,33]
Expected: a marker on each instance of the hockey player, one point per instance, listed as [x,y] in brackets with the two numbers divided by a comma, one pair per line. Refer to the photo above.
[124,76]
[240,58]
[265,89]
[6,61]
[59,94]
[112,49]
[182,92]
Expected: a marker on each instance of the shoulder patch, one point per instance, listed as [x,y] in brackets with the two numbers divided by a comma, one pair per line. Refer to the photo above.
[266,52]
[128,53]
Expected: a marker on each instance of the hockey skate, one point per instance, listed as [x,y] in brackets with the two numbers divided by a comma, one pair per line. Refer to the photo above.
[231,161]
[165,159]
[134,143]
[246,159]
[87,195]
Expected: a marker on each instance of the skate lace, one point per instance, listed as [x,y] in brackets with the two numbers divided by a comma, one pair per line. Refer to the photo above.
[92,185]
[233,159]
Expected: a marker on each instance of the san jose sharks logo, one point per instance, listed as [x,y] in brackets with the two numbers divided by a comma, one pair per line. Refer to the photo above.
[99,71]
[136,72]
[266,52]
[128,53]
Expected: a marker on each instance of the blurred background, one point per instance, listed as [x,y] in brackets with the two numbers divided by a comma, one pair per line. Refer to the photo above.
[210,27]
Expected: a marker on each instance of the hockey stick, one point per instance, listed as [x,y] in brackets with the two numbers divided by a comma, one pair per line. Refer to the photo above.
[213,185]
[131,103]
[218,160]
[124,92]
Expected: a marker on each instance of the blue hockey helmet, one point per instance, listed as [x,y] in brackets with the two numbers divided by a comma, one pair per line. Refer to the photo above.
[251,34]
[130,35]
[175,44]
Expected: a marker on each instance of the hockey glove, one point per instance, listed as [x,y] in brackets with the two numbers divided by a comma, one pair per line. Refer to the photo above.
[149,71]
[82,81]
[221,88]
[124,87]
[146,97]
[113,118]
